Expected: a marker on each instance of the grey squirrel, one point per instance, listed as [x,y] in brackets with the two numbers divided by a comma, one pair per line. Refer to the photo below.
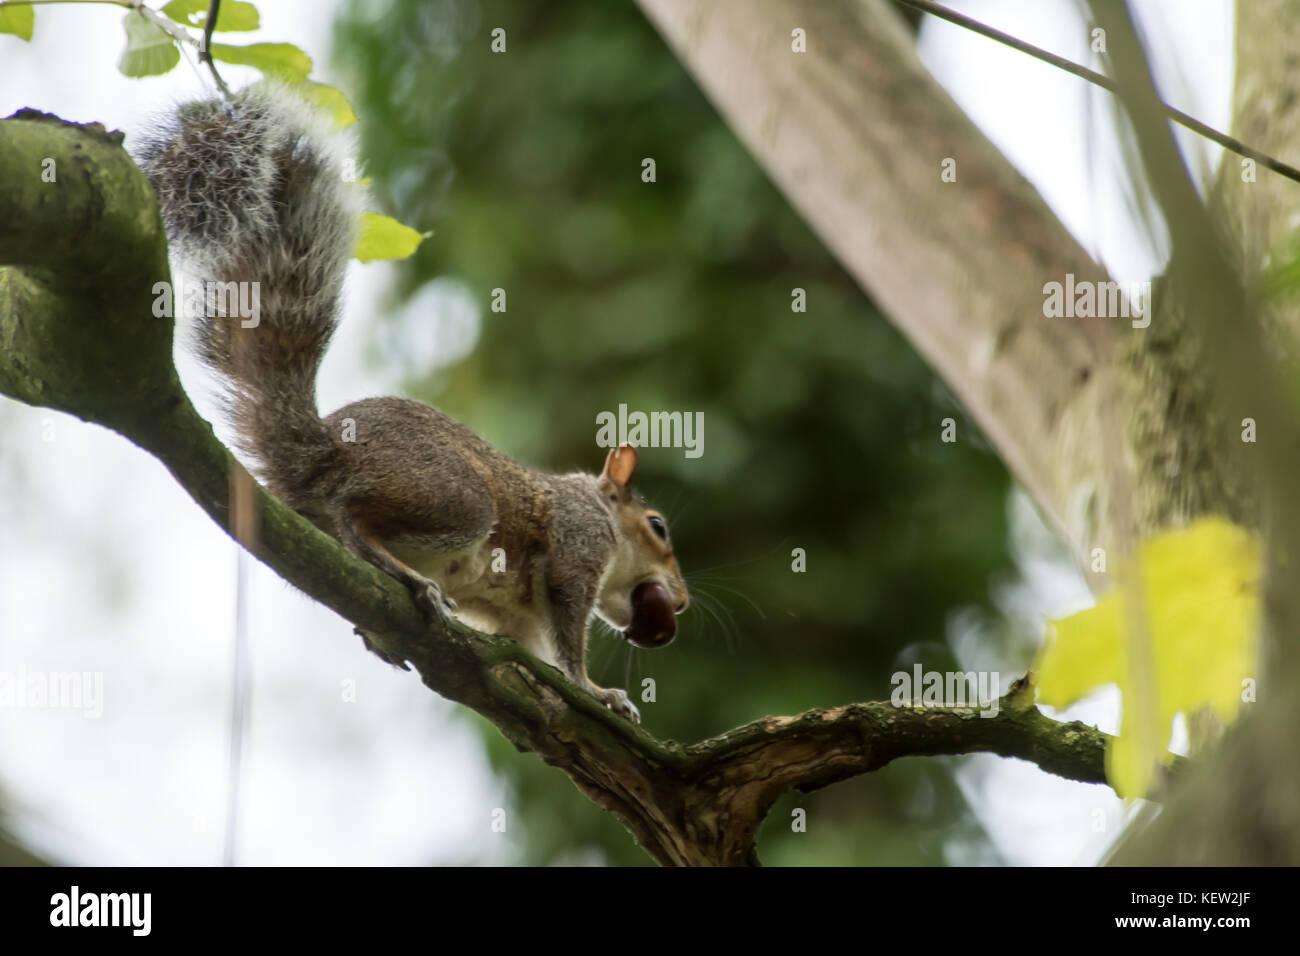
[251,190]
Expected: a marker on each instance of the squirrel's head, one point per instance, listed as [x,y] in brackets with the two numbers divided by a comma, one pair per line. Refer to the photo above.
[642,588]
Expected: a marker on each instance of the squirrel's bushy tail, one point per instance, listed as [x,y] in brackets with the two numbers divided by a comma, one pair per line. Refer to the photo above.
[252,191]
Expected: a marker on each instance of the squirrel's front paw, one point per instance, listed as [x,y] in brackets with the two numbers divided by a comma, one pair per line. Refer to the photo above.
[618,701]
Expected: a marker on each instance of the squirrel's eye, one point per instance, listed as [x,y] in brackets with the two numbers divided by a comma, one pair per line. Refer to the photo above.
[657,525]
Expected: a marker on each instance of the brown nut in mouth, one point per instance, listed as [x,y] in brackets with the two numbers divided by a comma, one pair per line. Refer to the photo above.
[653,622]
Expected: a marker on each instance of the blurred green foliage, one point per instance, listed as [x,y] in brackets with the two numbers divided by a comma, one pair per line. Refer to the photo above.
[821,428]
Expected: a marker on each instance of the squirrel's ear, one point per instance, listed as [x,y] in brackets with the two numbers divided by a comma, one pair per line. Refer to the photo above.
[619,466]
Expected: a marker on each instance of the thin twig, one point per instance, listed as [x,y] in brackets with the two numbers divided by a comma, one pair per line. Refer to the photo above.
[205,51]
[1105,82]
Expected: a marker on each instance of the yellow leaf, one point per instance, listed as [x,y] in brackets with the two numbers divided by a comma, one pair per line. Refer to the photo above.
[234,15]
[20,21]
[331,100]
[1200,591]
[281,60]
[383,237]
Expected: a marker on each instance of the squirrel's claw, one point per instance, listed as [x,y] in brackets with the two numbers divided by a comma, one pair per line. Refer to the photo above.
[618,701]
[431,599]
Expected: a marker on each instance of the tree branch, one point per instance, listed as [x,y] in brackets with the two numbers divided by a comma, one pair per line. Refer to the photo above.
[78,334]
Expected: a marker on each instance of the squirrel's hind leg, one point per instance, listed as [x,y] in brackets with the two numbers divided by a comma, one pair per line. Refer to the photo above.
[427,593]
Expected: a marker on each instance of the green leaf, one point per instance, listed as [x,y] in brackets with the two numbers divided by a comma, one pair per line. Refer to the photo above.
[383,237]
[1282,278]
[1200,588]
[329,99]
[235,15]
[281,60]
[150,51]
[18,20]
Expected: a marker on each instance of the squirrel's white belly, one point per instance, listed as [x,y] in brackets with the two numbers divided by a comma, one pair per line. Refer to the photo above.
[457,571]
[485,591]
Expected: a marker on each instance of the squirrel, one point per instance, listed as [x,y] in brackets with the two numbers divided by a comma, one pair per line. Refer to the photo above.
[251,189]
